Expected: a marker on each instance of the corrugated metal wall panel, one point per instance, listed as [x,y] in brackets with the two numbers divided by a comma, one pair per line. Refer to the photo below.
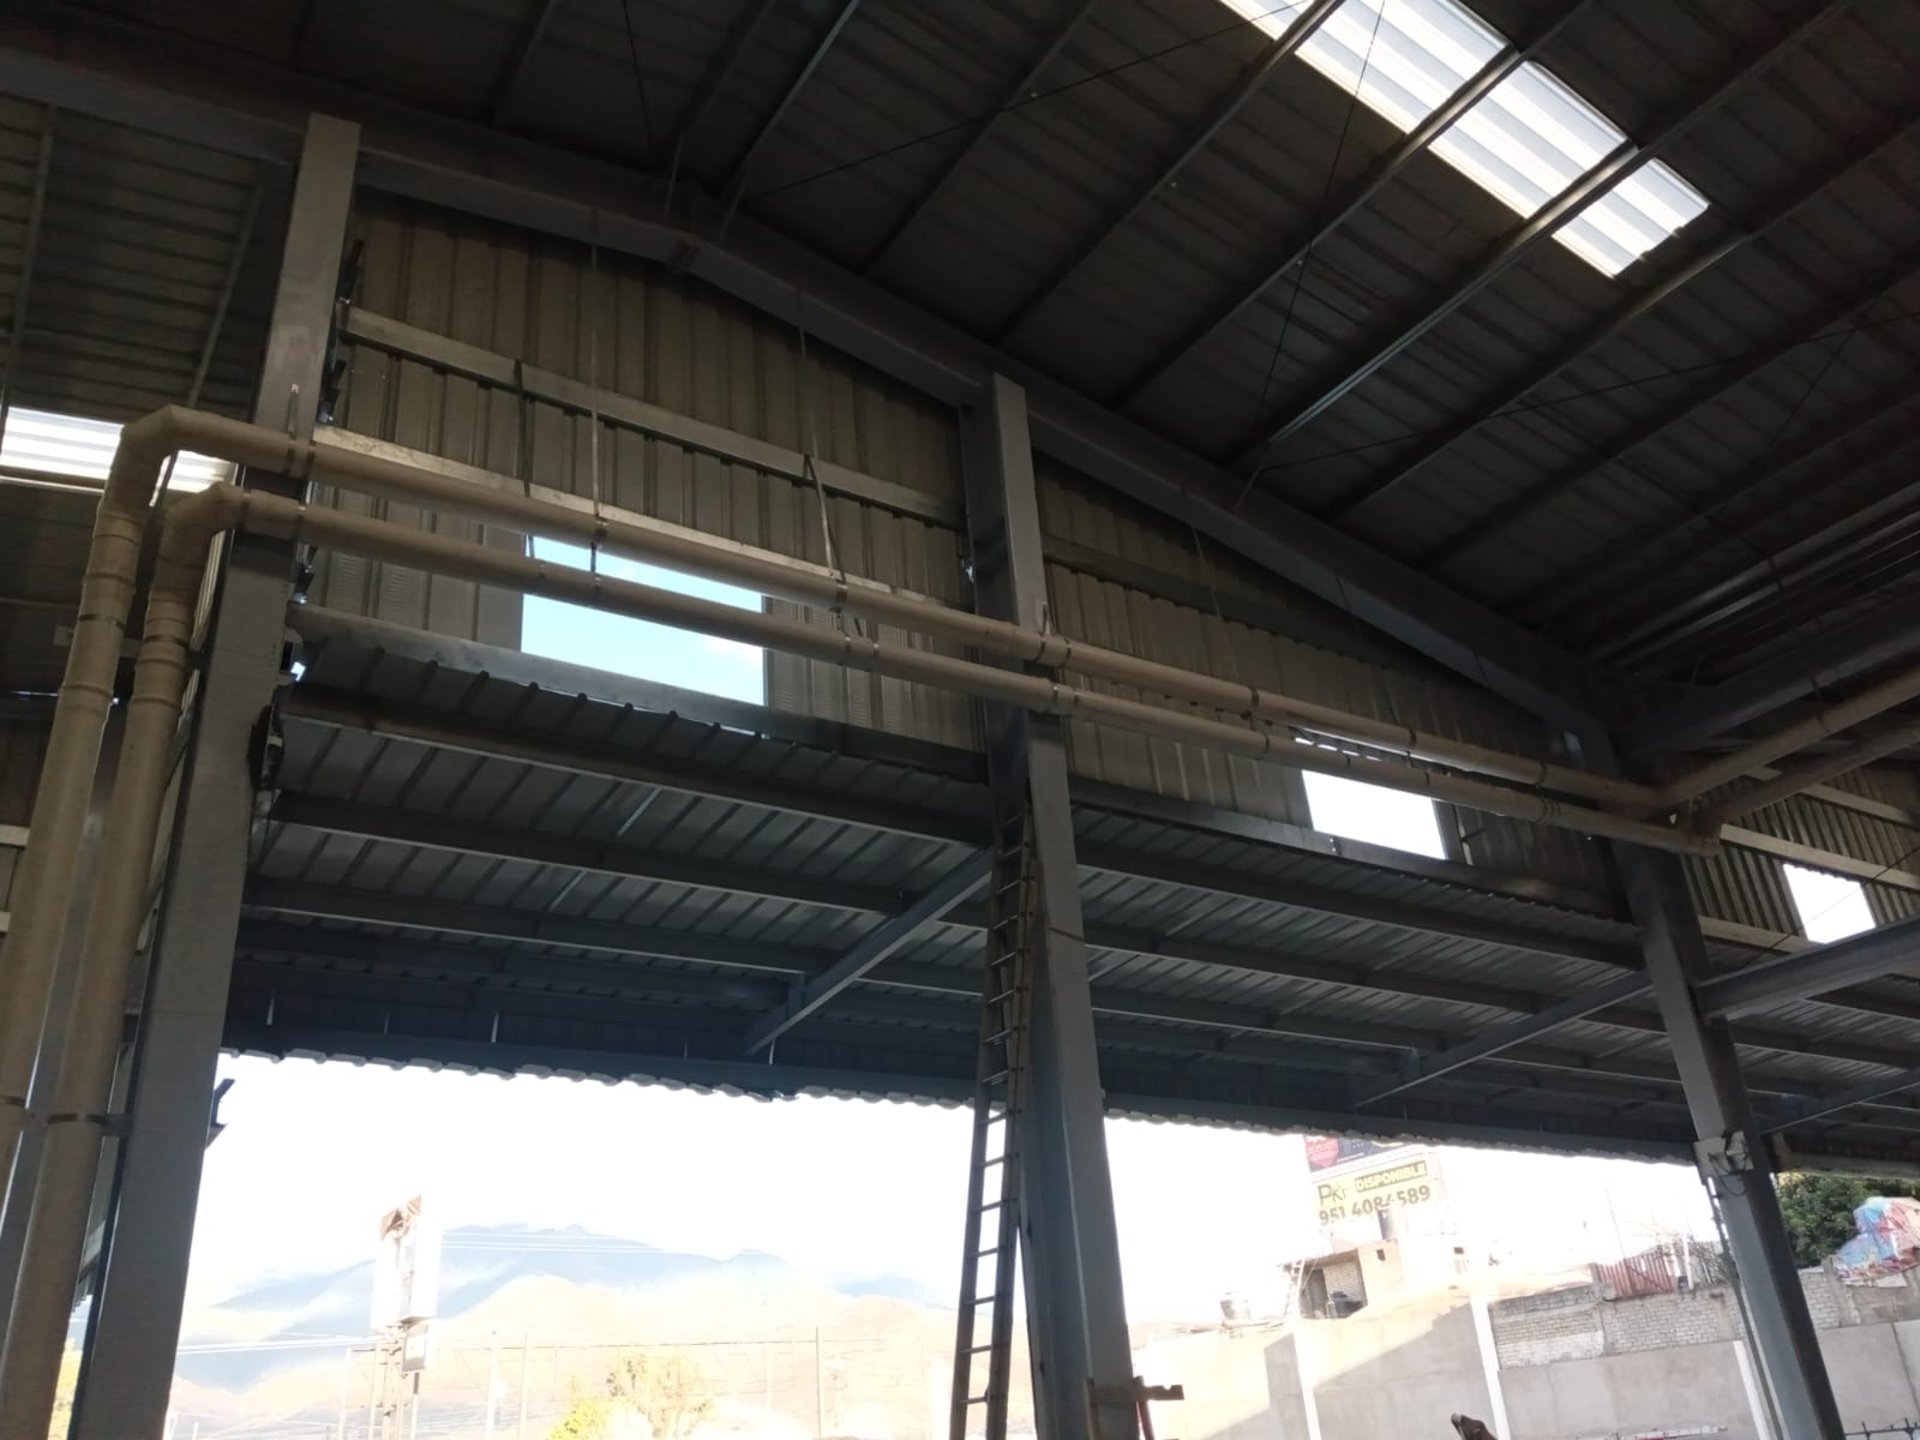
[616,324]
[1292,653]
[1885,784]
[1743,886]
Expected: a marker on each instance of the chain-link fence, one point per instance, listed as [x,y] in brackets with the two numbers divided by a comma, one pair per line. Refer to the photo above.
[793,1385]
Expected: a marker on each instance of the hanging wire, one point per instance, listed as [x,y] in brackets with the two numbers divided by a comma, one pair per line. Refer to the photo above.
[1239,24]
[809,465]
[639,73]
[1306,258]
[593,391]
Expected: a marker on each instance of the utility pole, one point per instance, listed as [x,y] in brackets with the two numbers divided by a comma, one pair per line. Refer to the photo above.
[526,1354]
[493,1380]
[346,1379]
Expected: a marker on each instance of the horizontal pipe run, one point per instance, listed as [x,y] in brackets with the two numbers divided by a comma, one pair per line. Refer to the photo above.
[416,480]
[1829,720]
[377,539]
[1797,779]
[771,575]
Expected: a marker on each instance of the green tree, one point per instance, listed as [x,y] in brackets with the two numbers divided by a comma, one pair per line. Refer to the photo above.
[1819,1209]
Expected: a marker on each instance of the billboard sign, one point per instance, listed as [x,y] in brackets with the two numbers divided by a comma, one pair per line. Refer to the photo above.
[1331,1152]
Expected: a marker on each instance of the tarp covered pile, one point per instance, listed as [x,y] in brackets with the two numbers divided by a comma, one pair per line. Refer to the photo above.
[1888,1242]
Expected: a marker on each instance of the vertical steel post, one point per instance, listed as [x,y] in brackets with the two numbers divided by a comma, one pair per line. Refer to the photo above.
[1731,1150]
[1070,1247]
[128,1369]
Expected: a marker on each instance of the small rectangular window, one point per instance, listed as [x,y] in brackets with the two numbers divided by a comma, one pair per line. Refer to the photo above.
[41,443]
[1373,814]
[581,635]
[1524,141]
[1831,907]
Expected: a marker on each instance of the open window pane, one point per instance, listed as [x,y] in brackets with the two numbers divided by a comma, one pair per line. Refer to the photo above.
[39,442]
[584,636]
[1831,907]
[1374,814]
[1524,142]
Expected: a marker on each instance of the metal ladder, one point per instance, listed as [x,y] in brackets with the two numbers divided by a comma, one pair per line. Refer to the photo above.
[993,1183]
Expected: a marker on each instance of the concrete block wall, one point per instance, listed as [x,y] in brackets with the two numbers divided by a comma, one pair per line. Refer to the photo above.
[1543,1329]
[1660,1322]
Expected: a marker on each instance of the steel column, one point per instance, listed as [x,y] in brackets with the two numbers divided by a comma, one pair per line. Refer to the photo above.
[128,1370]
[1731,1150]
[1076,1312]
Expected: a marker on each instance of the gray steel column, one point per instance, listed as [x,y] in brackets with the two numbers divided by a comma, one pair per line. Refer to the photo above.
[1070,1247]
[128,1372]
[1731,1149]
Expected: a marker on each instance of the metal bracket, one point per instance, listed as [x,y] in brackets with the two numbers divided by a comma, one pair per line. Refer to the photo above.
[1723,1156]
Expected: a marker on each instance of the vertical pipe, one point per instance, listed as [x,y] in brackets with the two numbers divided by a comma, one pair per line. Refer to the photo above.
[45,881]
[346,1379]
[78,1122]
[129,1365]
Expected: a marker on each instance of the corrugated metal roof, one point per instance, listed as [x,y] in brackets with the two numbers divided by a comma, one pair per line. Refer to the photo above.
[476,870]
[1504,513]
[1658,462]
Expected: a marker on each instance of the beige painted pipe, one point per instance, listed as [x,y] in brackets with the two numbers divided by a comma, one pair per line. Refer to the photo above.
[418,481]
[26,965]
[767,574]
[77,1124]
[1830,720]
[77,1120]
[378,539]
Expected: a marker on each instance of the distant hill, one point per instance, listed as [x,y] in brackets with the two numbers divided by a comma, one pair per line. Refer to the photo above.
[782,1348]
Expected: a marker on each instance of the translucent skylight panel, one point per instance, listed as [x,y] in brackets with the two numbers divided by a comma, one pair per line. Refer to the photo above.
[1831,907]
[1374,814]
[82,449]
[1524,142]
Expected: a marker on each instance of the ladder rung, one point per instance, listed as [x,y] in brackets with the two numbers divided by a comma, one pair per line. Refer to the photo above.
[985,1300]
